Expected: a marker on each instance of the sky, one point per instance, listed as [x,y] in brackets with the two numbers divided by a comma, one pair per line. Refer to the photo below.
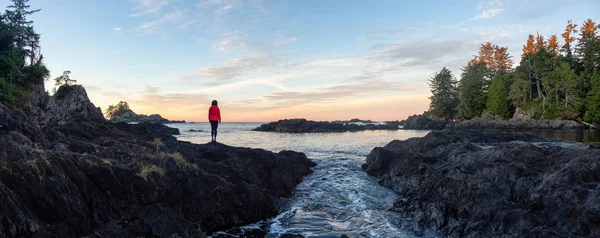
[269,60]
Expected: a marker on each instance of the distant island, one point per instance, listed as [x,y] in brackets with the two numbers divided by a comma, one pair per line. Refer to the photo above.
[302,125]
[122,113]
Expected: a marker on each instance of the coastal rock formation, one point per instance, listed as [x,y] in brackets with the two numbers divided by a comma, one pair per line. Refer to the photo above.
[69,104]
[307,126]
[99,179]
[492,184]
[488,121]
[122,113]
[423,122]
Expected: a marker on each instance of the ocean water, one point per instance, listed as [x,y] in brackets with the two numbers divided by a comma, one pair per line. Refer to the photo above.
[338,198]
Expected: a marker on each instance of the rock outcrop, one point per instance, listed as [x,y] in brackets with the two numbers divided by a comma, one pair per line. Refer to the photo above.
[307,126]
[423,122]
[122,113]
[81,176]
[488,121]
[69,104]
[492,184]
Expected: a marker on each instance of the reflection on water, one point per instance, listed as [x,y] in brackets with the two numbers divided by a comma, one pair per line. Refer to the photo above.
[587,136]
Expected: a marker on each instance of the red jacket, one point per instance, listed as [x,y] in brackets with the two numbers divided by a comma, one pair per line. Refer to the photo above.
[214,114]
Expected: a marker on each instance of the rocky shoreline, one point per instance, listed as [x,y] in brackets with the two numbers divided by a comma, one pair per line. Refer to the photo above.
[307,126]
[489,122]
[462,184]
[78,175]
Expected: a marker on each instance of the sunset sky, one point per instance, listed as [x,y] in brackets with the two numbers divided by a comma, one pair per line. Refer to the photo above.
[269,60]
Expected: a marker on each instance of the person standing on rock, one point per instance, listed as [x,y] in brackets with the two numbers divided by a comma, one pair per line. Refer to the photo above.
[214,117]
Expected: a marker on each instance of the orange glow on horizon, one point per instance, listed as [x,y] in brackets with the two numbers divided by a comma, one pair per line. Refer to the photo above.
[376,109]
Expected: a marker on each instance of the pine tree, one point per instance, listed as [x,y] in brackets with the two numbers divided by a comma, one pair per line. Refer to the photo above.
[593,100]
[65,79]
[445,95]
[27,41]
[520,90]
[498,102]
[529,48]
[553,45]
[568,38]
[588,52]
[563,81]
[472,91]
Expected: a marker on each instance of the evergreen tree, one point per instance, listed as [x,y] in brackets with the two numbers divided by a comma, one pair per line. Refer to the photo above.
[65,79]
[472,91]
[26,40]
[592,113]
[498,102]
[520,89]
[445,95]
[21,64]
[588,52]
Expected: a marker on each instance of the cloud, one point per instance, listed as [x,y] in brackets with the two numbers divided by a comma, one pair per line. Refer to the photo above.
[337,92]
[118,30]
[488,10]
[489,13]
[145,7]
[157,26]
[281,39]
[233,68]
[239,42]
[285,41]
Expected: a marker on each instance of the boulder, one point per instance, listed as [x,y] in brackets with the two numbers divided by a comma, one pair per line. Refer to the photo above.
[473,184]
[74,178]
[70,103]
[423,122]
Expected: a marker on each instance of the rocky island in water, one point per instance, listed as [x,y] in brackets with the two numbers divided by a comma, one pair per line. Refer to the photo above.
[122,113]
[66,172]
[308,126]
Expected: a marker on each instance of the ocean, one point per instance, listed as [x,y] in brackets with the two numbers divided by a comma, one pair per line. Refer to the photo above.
[338,198]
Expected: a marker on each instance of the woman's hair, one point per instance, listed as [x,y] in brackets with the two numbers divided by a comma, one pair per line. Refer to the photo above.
[214,103]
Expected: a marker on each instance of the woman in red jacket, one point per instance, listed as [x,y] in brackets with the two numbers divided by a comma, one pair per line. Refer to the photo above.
[214,117]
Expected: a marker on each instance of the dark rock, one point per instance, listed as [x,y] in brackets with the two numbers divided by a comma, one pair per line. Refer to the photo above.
[70,103]
[307,126]
[124,114]
[73,178]
[193,130]
[423,122]
[492,184]
[288,235]
[488,121]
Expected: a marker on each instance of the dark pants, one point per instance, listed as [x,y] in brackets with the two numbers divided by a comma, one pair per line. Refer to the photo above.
[213,129]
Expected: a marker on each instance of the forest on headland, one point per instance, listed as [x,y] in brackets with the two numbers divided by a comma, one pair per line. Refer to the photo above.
[553,80]
[21,62]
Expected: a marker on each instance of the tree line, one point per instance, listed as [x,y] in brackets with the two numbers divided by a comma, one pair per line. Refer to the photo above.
[551,80]
[21,61]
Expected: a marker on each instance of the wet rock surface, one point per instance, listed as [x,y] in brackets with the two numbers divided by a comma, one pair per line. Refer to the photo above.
[98,179]
[492,184]
[307,126]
